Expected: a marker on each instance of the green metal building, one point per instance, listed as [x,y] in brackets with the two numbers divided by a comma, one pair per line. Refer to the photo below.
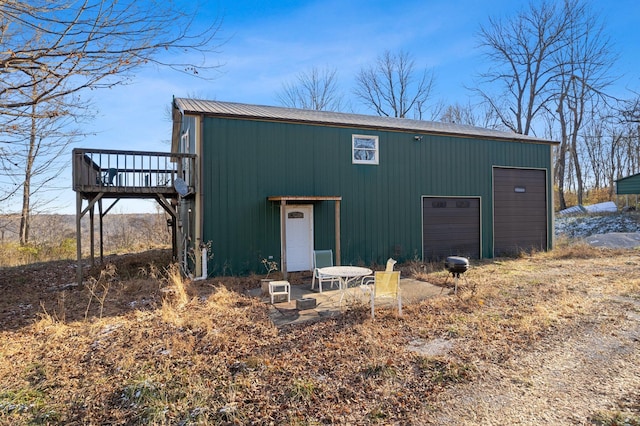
[629,185]
[276,183]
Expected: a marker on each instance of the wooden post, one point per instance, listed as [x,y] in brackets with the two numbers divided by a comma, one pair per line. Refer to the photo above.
[78,238]
[91,235]
[174,239]
[101,232]
[337,219]
[283,238]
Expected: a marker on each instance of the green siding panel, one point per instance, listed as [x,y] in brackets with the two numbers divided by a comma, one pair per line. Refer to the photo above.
[629,185]
[246,161]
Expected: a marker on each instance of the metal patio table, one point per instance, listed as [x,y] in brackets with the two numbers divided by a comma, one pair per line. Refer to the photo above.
[345,274]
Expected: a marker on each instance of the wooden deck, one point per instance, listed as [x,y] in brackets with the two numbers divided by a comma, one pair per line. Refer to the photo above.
[100,174]
[130,174]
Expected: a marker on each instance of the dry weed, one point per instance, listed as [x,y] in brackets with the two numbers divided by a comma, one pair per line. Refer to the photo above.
[177,287]
[99,288]
[204,353]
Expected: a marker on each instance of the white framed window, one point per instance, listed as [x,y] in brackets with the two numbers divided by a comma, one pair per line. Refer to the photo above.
[364,149]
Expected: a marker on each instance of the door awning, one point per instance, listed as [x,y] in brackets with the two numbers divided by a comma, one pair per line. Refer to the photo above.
[304,198]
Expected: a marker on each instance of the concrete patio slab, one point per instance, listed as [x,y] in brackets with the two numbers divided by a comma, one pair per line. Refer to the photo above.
[332,302]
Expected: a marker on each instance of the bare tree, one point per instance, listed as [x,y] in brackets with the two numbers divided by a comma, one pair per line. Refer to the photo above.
[584,77]
[522,53]
[625,130]
[89,44]
[393,87]
[595,141]
[631,110]
[551,60]
[52,53]
[316,89]
[36,143]
[470,115]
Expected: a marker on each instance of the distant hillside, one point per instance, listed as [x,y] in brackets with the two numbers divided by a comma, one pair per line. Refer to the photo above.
[120,230]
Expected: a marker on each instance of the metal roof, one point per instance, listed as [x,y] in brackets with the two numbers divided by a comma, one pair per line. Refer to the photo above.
[272,113]
[630,177]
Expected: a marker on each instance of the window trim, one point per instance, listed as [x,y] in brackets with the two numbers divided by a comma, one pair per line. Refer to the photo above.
[184,139]
[375,150]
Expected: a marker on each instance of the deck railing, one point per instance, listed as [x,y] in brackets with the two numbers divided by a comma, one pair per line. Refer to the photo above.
[113,171]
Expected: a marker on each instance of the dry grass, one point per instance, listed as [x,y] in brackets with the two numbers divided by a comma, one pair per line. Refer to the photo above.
[142,345]
[13,254]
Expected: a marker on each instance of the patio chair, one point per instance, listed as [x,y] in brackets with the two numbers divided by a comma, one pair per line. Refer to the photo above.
[390,264]
[110,176]
[279,288]
[368,280]
[386,284]
[322,259]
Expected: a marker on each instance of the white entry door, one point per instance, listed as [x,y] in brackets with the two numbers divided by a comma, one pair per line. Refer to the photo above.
[299,244]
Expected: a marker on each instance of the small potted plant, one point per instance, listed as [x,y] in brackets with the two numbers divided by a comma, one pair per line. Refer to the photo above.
[270,266]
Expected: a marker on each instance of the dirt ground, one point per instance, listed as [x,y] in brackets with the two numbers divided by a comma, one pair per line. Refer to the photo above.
[565,377]
[561,381]
[584,369]
[628,240]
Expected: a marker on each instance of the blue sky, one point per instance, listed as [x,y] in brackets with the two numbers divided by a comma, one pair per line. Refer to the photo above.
[271,42]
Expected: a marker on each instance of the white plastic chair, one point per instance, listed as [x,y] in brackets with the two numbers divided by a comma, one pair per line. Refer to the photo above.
[322,259]
[277,288]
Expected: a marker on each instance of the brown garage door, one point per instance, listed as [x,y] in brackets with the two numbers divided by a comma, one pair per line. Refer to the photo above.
[519,210]
[451,226]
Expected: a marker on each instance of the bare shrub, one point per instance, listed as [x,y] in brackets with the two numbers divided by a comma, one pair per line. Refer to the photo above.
[99,288]
[177,286]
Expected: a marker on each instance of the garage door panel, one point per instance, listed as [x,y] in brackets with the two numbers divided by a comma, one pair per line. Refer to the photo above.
[514,246]
[524,218]
[514,233]
[453,218]
[520,210]
[451,226]
[527,184]
[449,248]
[449,232]
[532,199]
[515,197]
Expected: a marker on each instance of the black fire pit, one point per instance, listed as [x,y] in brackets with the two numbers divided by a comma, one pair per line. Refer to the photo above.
[456,265]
